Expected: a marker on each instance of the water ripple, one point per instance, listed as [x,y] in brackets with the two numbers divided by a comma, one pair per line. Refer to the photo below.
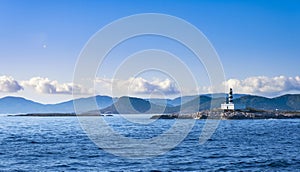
[59,144]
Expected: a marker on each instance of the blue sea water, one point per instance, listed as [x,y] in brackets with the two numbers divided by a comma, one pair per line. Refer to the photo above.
[60,144]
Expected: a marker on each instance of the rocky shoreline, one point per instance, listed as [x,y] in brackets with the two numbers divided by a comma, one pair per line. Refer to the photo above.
[219,114]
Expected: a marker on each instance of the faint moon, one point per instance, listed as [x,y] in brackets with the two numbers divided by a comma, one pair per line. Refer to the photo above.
[44,46]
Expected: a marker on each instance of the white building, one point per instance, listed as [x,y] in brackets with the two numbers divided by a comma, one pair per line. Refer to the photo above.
[229,105]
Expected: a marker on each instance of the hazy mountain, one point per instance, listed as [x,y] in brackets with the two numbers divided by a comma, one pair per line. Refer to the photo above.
[182,100]
[285,102]
[203,102]
[132,105]
[88,104]
[193,103]
[288,102]
[185,104]
[161,102]
[16,105]
[185,99]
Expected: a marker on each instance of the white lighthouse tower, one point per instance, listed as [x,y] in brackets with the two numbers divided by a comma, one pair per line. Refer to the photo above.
[229,105]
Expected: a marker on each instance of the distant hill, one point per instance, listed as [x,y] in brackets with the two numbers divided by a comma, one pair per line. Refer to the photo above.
[87,104]
[17,105]
[14,105]
[182,100]
[161,102]
[289,102]
[185,99]
[130,105]
[204,102]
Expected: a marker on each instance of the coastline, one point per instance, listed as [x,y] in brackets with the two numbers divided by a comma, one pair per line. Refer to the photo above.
[57,115]
[231,115]
[206,114]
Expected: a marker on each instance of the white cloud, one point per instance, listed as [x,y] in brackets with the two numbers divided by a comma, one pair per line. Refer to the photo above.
[139,86]
[45,85]
[261,85]
[9,84]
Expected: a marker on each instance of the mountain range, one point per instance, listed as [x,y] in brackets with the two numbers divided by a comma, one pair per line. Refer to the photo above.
[132,105]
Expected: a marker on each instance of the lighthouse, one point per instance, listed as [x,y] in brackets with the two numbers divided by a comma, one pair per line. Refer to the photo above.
[229,105]
[230,97]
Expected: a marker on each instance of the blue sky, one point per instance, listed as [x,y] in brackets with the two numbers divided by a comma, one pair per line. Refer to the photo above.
[257,41]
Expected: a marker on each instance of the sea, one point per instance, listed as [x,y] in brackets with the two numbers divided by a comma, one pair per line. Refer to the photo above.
[61,144]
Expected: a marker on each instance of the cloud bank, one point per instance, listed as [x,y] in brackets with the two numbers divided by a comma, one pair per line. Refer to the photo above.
[261,85]
[47,86]
[9,85]
[139,86]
